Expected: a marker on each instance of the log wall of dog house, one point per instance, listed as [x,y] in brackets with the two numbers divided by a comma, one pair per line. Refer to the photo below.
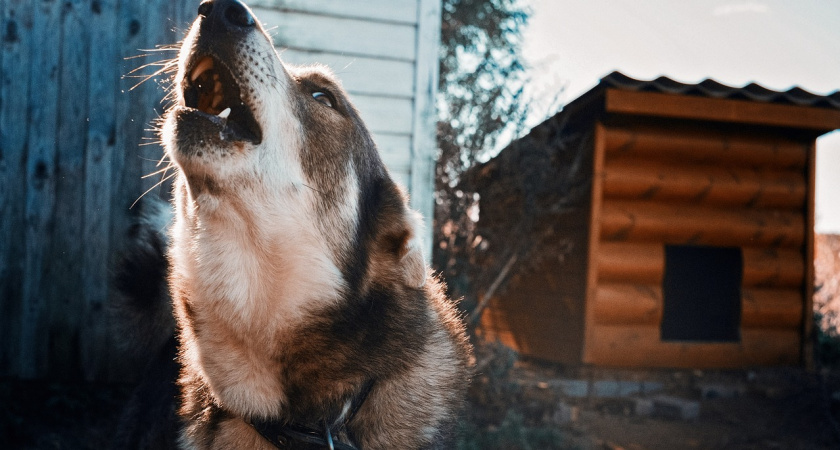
[697,186]
[697,227]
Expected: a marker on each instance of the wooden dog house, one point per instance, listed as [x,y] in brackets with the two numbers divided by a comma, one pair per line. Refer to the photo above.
[691,242]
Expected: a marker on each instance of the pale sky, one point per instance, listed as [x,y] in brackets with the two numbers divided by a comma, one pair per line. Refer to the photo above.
[776,43]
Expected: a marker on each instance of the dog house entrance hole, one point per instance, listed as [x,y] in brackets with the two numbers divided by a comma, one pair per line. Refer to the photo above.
[702,293]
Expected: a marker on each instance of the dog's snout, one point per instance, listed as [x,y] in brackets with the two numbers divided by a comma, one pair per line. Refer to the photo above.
[229,14]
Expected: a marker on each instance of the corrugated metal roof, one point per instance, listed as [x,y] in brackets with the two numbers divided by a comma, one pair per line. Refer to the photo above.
[714,89]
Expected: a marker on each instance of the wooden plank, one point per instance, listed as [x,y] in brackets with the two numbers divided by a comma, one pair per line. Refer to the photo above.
[808,291]
[718,185]
[385,115]
[706,146]
[628,304]
[686,224]
[401,177]
[66,305]
[771,309]
[656,104]
[183,13]
[773,268]
[97,209]
[395,151]
[640,346]
[305,31]
[595,232]
[634,262]
[631,262]
[399,11]
[17,45]
[134,108]
[41,181]
[424,114]
[360,74]
[640,304]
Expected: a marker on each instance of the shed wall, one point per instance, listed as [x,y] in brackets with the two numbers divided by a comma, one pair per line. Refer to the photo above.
[385,53]
[70,167]
[697,184]
[75,141]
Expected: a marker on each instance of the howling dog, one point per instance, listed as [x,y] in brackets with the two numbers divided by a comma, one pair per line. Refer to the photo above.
[305,313]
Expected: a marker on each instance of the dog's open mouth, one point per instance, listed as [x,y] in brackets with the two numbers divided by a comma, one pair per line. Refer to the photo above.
[212,89]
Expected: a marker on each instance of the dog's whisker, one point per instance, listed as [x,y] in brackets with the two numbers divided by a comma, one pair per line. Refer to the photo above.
[158,184]
[162,159]
[163,48]
[162,63]
[157,172]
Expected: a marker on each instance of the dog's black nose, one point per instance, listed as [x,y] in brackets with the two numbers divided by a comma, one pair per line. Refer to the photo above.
[230,14]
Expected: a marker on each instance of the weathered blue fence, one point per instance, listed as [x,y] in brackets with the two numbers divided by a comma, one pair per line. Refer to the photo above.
[71,162]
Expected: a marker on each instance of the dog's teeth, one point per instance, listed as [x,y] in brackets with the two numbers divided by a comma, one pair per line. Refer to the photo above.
[204,65]
[224,114]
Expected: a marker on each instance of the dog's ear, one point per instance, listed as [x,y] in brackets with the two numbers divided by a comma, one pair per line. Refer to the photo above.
[411,260]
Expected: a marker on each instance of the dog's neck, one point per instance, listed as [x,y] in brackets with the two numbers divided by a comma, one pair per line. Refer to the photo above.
[263,269]
[246,278]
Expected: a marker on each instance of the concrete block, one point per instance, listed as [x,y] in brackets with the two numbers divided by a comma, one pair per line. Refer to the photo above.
[617,389]
[564,414]
[606,389]
[628,388]
[571,388]
[651,387]
[676,408]
[643,407]
[719,390]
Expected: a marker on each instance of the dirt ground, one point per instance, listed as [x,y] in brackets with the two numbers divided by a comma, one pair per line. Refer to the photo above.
[773,409]
[778,408]
[765,409]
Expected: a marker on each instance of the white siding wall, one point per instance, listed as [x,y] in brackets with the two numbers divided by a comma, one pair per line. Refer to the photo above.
[385,53]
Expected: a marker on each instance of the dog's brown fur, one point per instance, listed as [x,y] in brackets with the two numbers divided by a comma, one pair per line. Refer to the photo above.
[296,269]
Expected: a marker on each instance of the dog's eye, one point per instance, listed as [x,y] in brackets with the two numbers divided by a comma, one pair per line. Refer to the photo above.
[323,97]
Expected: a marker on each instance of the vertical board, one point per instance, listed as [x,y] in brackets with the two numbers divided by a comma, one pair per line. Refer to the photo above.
[807,351]
[14,91]
[40,184]
[424,143]
[98,170]
[64,272]
[594,240]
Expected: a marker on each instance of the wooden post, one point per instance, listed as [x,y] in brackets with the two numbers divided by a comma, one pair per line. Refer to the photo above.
[808,307]
[424,133]
[595,220]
